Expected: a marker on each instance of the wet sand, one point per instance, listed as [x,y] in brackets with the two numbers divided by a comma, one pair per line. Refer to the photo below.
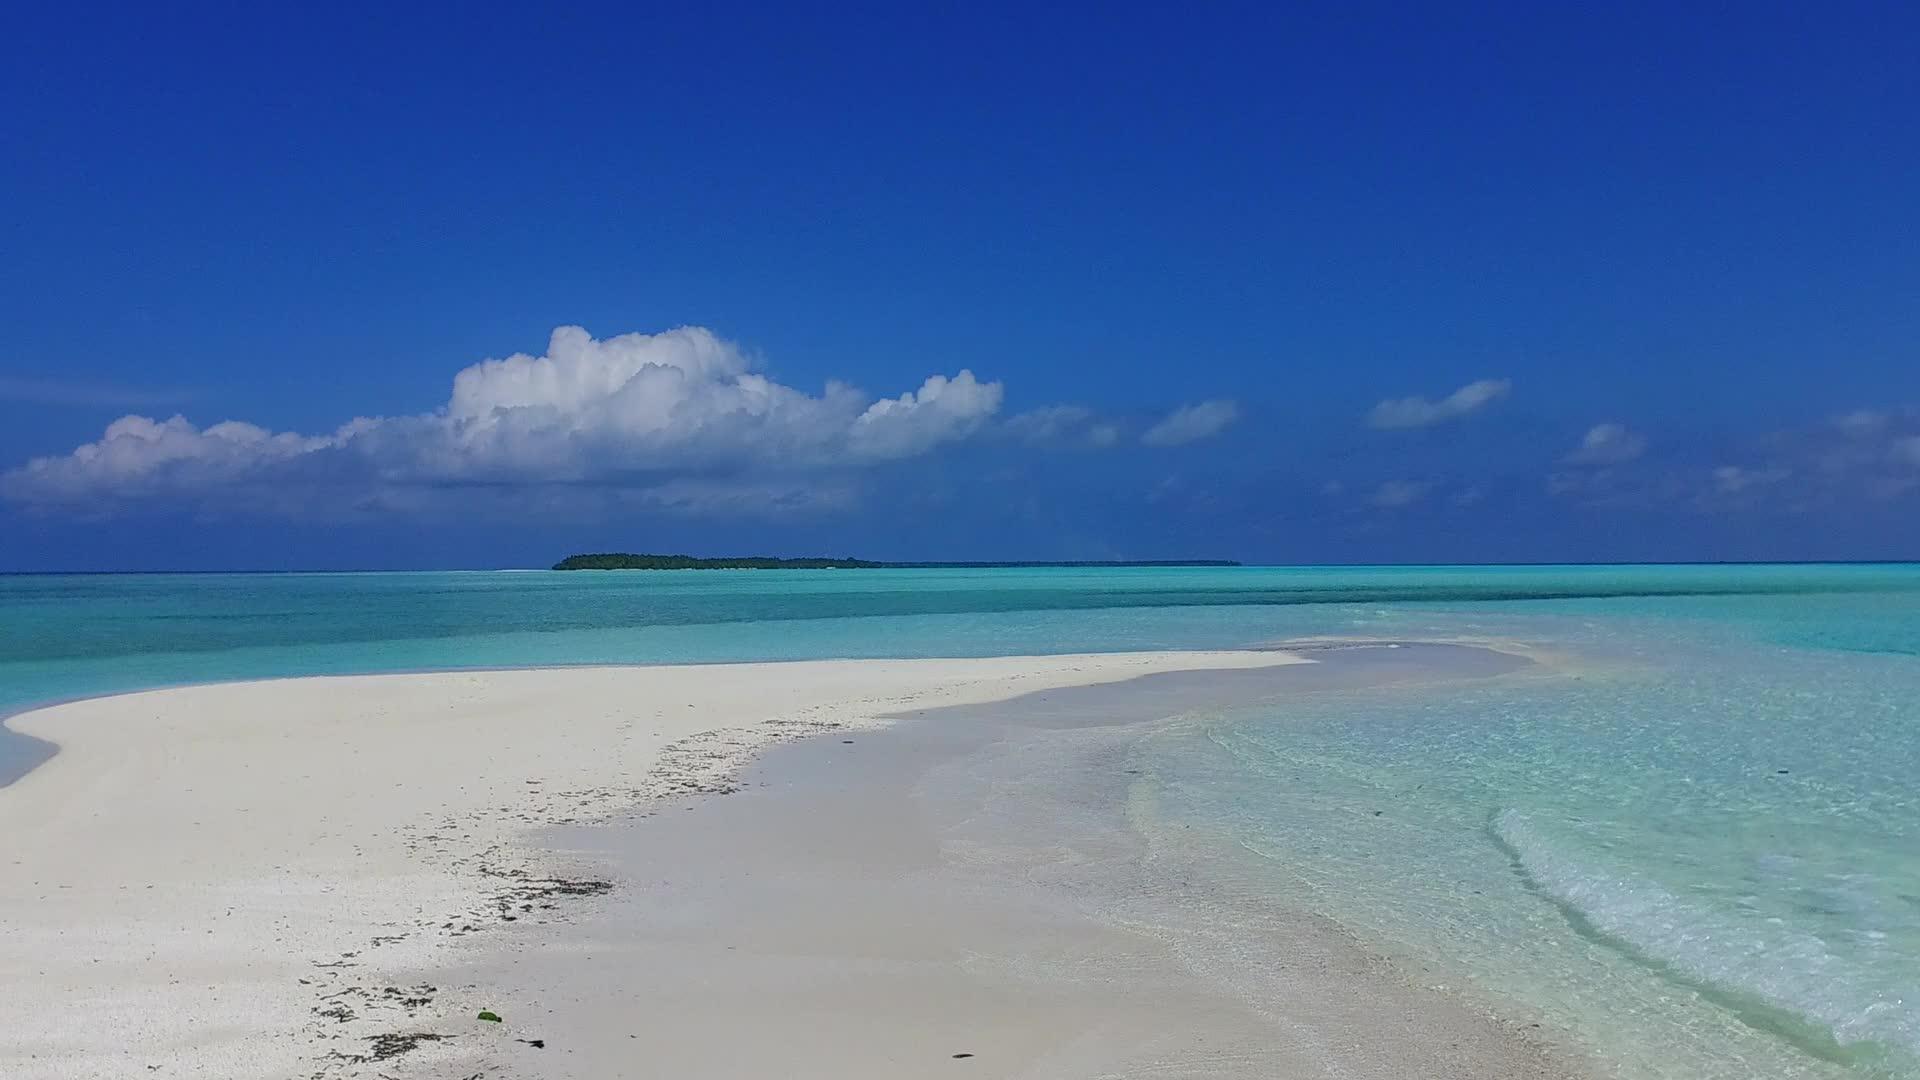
[962,894]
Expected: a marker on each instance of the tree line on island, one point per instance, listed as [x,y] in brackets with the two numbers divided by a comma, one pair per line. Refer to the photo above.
[621,560]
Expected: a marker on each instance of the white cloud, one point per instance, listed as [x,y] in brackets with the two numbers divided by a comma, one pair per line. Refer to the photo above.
[1608,444]
[626,406]
[1869,454]
[1191,423]
[160,457]
[1733,479]
[942,410]
[1862,422]
[694,497]
[1413,412]
[1907,450]
[1063,424]
[1398,493]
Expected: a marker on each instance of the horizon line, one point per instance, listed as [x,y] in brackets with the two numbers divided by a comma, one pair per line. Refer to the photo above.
[1004,564]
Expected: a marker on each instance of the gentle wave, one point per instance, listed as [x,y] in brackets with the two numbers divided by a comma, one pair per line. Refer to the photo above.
[1766,961]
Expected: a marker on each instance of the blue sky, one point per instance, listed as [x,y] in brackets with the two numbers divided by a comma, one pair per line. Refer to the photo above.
[1328,283]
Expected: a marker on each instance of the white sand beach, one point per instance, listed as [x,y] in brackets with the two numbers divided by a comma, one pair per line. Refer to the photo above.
[239,880]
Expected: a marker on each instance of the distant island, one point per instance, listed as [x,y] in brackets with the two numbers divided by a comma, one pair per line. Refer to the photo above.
[621,560]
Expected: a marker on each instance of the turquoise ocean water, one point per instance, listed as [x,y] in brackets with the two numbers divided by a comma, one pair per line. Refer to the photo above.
[1692,841]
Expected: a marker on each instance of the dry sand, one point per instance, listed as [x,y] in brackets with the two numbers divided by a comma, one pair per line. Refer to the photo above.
[252,880]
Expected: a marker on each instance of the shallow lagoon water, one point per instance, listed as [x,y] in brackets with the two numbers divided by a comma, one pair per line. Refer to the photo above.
[1693,848]
[1689,840]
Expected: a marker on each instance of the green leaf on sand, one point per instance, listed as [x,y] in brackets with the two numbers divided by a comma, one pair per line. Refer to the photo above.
[493,1016]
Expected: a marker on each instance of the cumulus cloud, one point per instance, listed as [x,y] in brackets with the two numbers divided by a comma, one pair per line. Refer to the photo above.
[137,453]
[1608,444]
[1416,412]
[941,411]
[1191,423]
[620,409]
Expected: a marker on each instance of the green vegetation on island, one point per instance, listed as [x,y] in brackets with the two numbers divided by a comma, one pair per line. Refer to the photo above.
[620,560]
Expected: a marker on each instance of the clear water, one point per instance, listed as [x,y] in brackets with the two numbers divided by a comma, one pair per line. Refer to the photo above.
[1696,847]
[1694,844]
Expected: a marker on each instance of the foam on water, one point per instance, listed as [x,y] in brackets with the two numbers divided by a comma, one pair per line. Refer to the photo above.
[1763,960]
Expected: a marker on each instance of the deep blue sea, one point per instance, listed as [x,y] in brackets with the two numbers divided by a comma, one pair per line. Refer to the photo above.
[1691,838]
